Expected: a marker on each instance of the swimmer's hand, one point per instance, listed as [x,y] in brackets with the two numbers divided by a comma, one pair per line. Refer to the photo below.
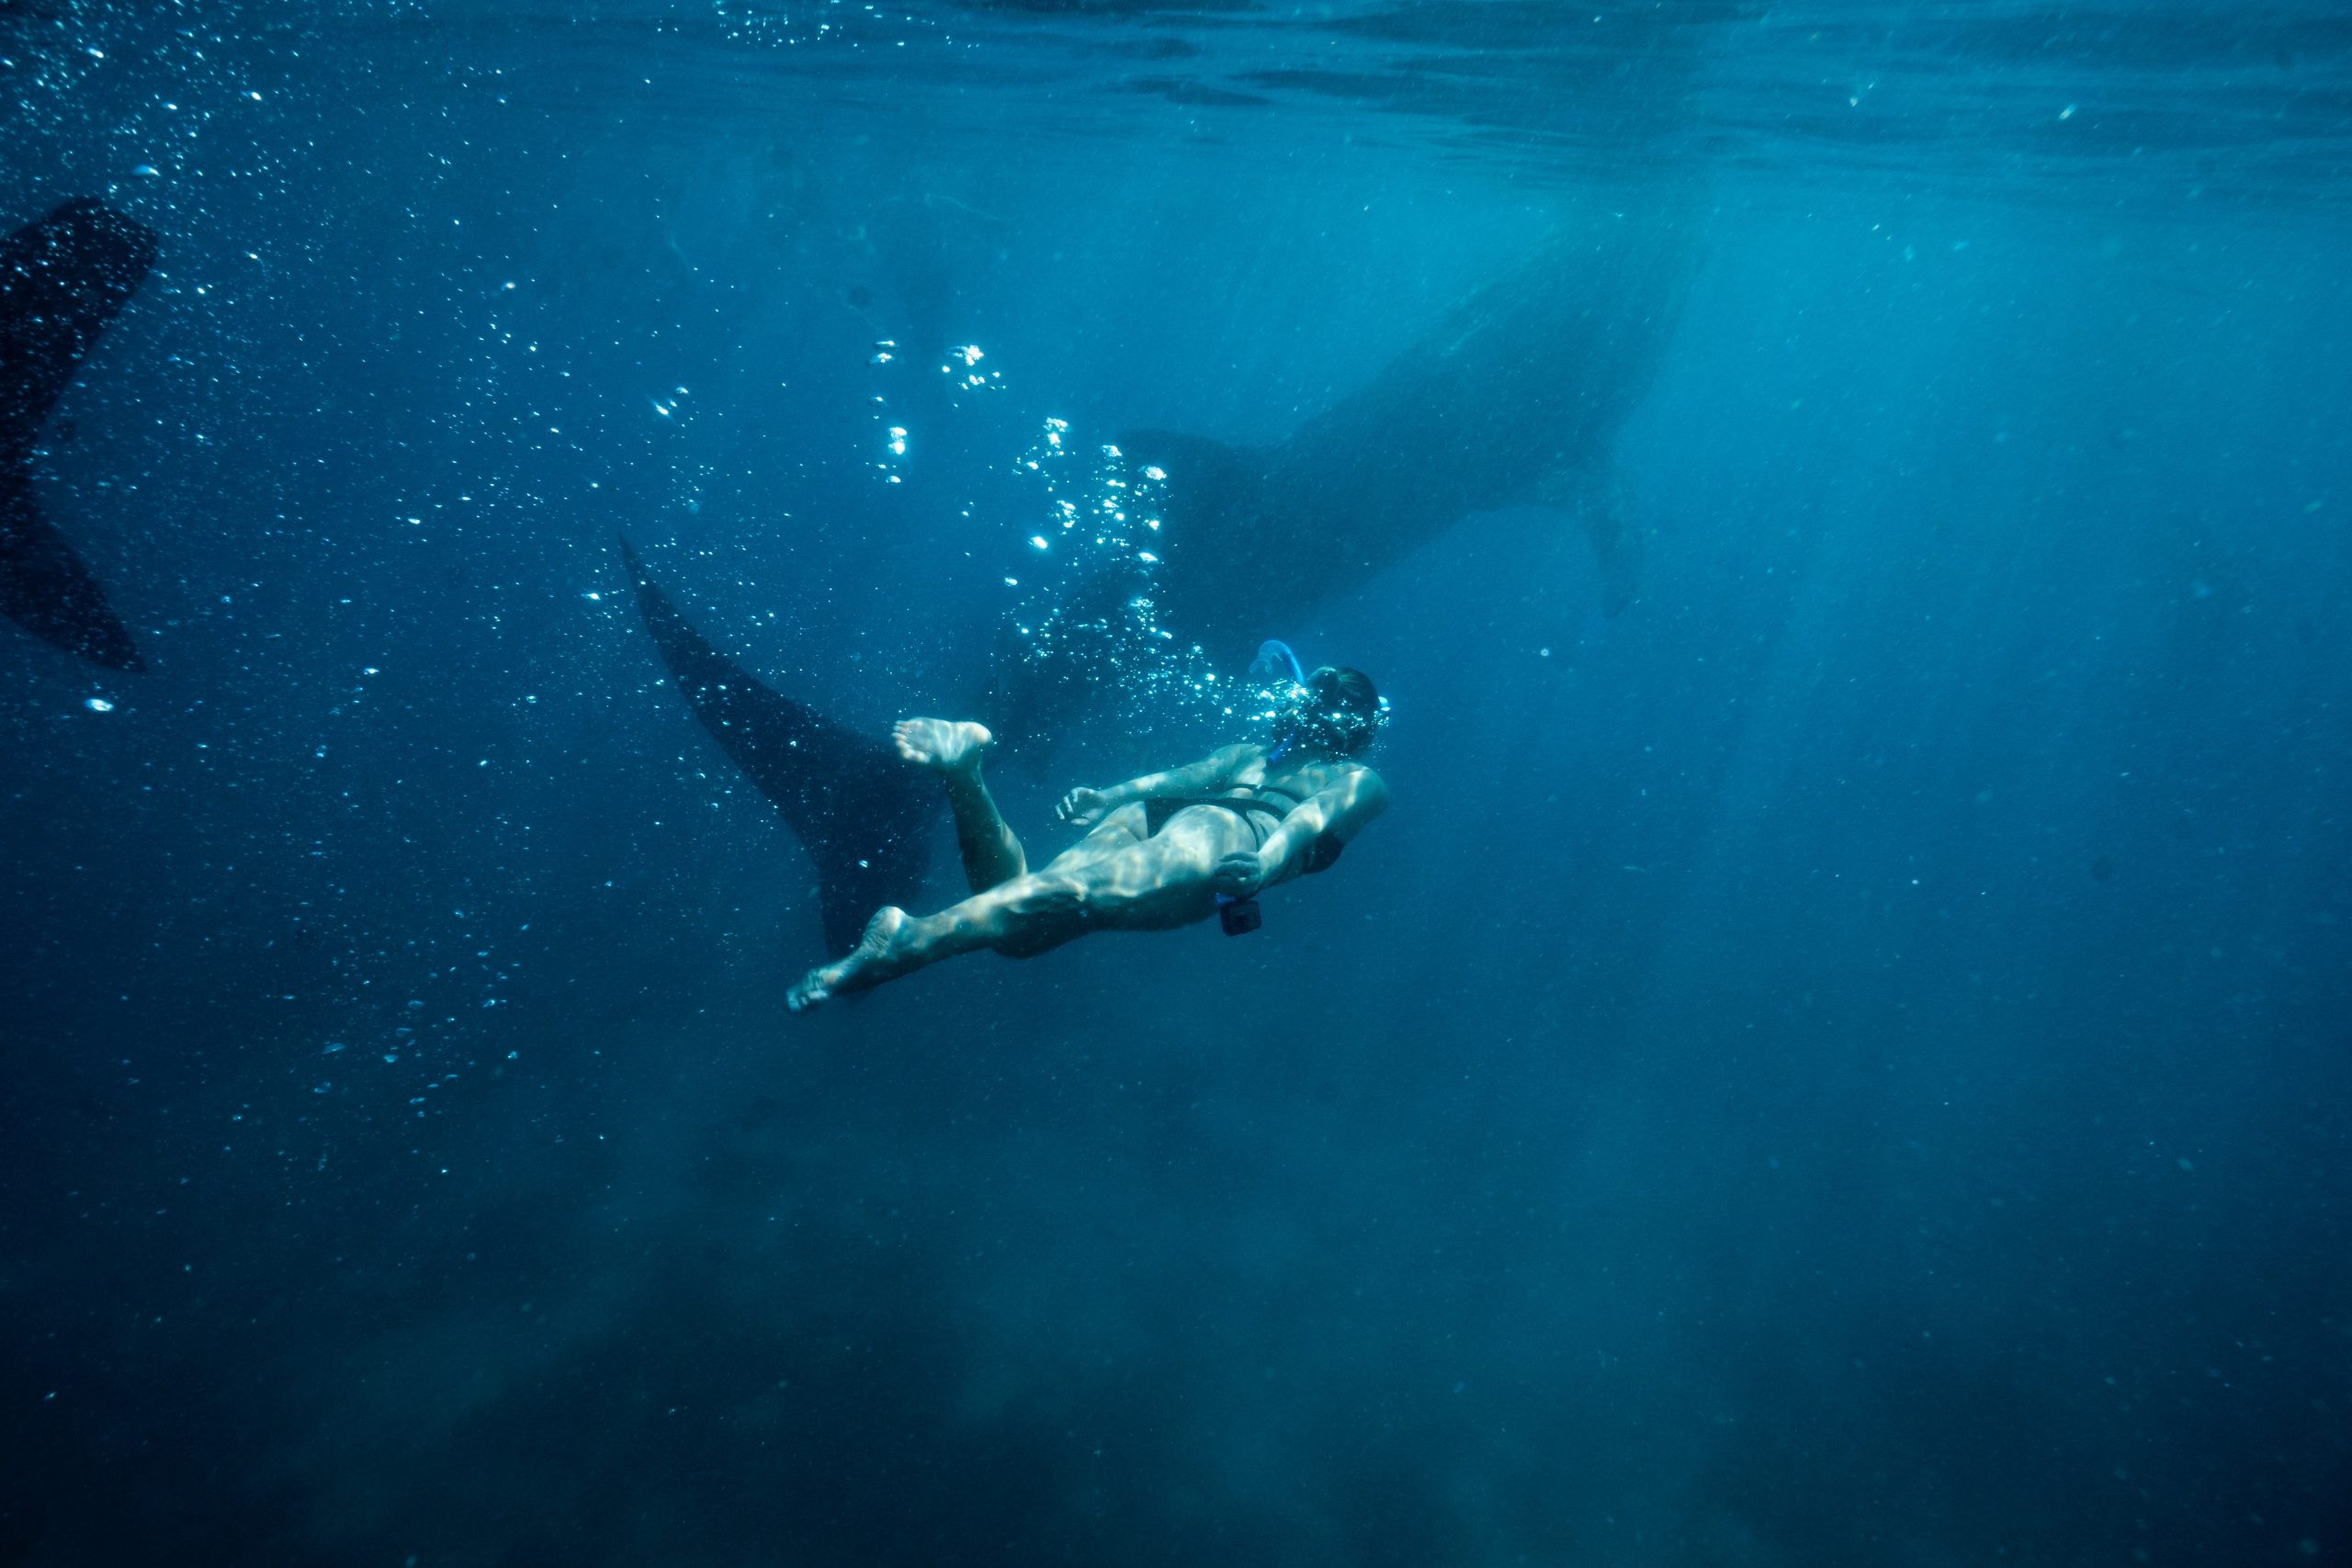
[1241,873]
[1083,808]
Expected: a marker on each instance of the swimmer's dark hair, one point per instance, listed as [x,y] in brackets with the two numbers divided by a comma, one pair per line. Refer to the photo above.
[1351,696]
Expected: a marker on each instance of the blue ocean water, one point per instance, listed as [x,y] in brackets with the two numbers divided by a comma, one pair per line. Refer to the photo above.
[1836,1054]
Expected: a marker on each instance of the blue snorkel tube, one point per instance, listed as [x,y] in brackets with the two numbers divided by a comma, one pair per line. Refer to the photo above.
[1273,657]
[1268,653]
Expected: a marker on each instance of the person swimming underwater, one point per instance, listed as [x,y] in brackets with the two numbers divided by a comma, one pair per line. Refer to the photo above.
[1163,850]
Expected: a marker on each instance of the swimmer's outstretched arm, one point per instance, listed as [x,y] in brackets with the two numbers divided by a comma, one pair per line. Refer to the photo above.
[1341,811]
[1213,772]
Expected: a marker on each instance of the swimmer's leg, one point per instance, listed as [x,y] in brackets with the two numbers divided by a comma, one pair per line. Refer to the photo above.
[1156,884]
[953,750]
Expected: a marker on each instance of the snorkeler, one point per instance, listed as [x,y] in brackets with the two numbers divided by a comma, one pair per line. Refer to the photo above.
[1163,850]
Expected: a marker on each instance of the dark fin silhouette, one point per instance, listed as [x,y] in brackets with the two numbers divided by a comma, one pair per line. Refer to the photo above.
[1616,549]
[62,281]
[863,815]
[45,589]
[1603,510]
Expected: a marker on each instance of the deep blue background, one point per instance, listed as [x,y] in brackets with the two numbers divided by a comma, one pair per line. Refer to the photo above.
[1844,1063]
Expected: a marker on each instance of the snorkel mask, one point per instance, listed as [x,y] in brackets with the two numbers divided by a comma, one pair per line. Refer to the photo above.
[1314,710]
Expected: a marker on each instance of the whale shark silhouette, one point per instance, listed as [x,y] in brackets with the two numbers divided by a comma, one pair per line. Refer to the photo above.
[62,281]
[1516,397]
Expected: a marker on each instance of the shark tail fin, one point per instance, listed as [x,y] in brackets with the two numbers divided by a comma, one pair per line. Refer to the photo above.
[46,588]
[859,811]
[62,281]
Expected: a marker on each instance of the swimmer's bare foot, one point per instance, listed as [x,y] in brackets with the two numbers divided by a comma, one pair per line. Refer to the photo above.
[947,745]
[867,965]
